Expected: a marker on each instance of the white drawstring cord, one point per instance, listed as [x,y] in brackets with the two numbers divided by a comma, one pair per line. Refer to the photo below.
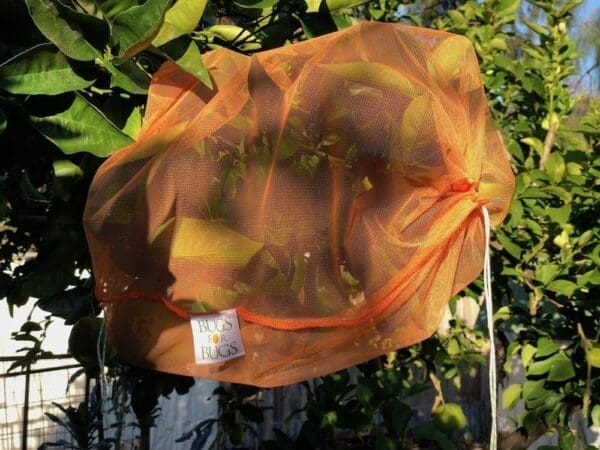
[101,353]
[487,293]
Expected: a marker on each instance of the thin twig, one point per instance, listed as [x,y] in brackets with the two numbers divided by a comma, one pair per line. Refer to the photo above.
[548,142]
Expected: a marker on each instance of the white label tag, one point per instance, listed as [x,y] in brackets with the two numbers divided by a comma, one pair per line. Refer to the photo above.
[217,337]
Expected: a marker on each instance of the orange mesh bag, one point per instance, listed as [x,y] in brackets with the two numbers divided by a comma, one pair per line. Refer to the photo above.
[318,208]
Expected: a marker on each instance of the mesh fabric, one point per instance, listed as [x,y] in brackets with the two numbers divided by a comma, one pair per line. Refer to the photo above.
[329,191]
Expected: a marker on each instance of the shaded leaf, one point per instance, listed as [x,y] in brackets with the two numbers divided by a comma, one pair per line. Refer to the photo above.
[77,35]
[396,415]
[2,121]
[83,343]
[42,69]
[107,8]
[128,76]
[81,128]
[71,305]
[134,28]
[432,435]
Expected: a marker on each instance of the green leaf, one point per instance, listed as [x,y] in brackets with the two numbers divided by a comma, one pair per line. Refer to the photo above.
[2,121]
[537,28]
[335,5]
[545,347]
[182,18]
[228,32]
[595,415]
[449,417]
[128,76]
[432,435]
[258,4]
[453,348]
[207,242]
[79,36]
[312,6]
[546,273]
[133,124]
[506,7]
[559,215]
[81,128]
[511,396]
[107,8]
[555,167]
[564,287]
[593,357]
[512,248]
[134,29]
[83,343]
[186,54]
[590,277]
[535,144]
[527,354]
[42,69]
[533,389]
[364,394]
[558,367]
[73,304]
[66,169]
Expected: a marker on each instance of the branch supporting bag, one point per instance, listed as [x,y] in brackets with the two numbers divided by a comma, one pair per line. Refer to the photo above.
[315,209]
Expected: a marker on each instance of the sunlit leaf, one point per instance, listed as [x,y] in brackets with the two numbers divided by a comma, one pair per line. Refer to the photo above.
[511,396]
[180,19]
[449,53]
[593,357]
[81,128]
[564,287]
[210,243]
[335,5]
[259,4]
[42,69]
[64,168]
[186,54]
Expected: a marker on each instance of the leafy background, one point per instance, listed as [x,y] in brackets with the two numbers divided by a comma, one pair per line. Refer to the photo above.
[73,80]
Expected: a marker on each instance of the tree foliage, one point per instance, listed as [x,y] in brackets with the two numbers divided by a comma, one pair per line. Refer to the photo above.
[73,79]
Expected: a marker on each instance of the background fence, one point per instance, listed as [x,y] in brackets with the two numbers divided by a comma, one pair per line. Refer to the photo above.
[26,397]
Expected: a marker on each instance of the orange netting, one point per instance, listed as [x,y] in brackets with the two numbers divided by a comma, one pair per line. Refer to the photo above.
[330,191]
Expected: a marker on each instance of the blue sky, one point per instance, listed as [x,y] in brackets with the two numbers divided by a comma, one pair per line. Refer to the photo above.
[587,10]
